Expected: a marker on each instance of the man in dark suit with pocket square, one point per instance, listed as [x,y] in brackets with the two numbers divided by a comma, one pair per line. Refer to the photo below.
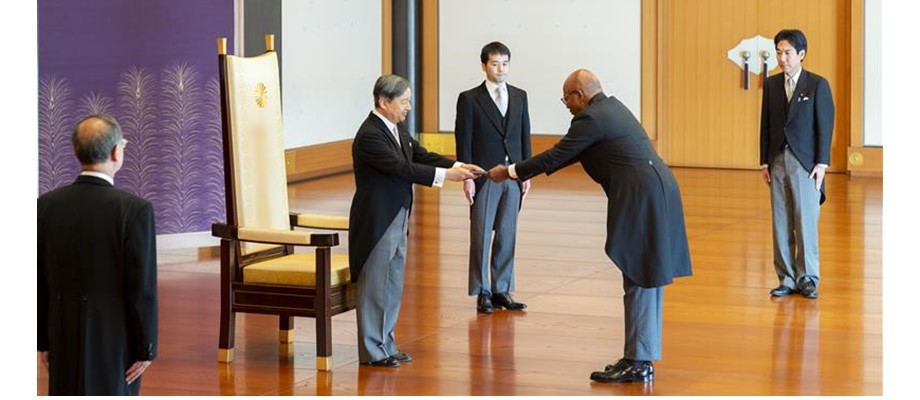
[796,129]
[97,274]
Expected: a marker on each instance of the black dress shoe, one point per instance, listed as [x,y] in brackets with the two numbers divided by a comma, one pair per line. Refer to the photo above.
[402,357]
[623,372]
[484,304]
[500,300]
[624,363]
[621,363]
[809,290]
[781,291]
[386,362]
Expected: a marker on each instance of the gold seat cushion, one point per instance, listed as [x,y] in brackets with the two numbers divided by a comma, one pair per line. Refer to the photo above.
[295,270]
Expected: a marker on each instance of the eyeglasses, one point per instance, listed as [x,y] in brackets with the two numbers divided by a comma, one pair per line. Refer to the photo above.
[566,96]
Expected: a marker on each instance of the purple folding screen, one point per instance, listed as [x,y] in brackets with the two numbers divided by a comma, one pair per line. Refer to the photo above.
[152,64]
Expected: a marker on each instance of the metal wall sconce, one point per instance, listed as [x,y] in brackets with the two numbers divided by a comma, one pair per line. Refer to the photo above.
[742,55]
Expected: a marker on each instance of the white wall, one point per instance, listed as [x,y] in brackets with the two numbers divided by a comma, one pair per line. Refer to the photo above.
[548,40]
[872,111]
[332,56]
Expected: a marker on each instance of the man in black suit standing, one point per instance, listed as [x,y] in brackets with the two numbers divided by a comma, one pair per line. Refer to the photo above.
[387,162]
[646,236]
[796,128]
[97,277]
[493,128]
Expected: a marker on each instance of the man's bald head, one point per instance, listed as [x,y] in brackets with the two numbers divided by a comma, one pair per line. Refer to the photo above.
[585,81]
[579,88]
[94,138]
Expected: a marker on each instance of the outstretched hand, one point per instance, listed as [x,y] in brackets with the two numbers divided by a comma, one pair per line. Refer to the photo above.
[458,174]
[475,169]
[499,173]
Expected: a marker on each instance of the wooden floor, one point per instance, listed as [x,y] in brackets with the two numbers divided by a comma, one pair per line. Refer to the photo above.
[723,334]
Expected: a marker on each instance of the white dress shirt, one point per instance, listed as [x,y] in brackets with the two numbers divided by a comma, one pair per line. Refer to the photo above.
[493,89]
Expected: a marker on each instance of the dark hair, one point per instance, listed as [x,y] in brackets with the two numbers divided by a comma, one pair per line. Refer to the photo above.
[795,37]
[494,48]
[389,87]
[95,147]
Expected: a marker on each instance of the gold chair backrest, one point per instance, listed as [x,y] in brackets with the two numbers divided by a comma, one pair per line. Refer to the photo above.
[257,135]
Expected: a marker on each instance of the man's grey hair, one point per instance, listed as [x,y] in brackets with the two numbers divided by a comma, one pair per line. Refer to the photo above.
[95,147]
[389,87]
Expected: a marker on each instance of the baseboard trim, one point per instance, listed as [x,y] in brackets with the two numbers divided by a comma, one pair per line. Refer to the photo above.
[319,160]
[188,240]
[443,143]
[332,158]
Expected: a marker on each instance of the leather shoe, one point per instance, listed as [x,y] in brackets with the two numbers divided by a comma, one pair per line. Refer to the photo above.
[621,363]
[484,304]
[624,363]
[402,357]
[781,291]
[809,290]
[626,371]
[388,362]
[500,300]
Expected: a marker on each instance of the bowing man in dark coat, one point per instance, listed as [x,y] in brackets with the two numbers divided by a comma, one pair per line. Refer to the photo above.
[97,281]
[387,162]
[646,237]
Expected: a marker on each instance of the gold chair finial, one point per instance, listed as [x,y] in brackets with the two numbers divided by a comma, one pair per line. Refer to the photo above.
[269,42]
[222,46]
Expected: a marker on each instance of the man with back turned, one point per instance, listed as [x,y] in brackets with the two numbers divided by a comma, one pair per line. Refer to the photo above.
[97,274]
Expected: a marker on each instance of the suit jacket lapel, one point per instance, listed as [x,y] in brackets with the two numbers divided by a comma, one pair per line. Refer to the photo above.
[386,131]
[511,115]
[777,88]
[800,86]
[405,144]
[488,105]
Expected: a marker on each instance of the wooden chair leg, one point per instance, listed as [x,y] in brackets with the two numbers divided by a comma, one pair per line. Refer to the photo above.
[323,313]
[285,329]
[227,316]
[227,329]
[323,340]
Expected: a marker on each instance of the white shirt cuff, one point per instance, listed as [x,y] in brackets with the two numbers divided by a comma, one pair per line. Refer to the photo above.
[511,172]
[822,165]
[439,175]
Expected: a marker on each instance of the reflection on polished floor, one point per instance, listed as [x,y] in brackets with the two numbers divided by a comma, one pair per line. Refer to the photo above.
[723,334]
